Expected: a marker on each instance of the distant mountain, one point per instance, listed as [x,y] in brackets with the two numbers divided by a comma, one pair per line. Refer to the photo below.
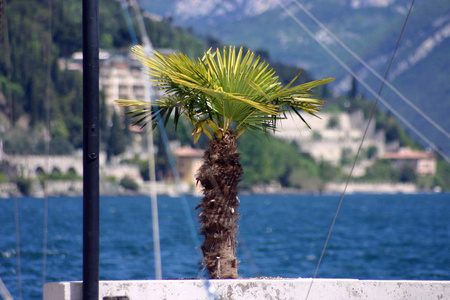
[369,27]
[263,24]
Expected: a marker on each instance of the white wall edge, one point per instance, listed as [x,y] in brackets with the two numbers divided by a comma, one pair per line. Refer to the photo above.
[248,289]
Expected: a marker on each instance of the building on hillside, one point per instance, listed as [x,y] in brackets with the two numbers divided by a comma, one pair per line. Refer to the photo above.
[189,160]
[75,62]
[423,163]
[121,76]
[334,136]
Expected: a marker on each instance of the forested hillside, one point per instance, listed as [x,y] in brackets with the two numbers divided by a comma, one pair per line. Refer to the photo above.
[33,89]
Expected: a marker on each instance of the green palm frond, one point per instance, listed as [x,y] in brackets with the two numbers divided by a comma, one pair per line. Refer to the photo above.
[222,91]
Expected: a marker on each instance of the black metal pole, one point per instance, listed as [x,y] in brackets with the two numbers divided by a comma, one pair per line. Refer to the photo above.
[90,150]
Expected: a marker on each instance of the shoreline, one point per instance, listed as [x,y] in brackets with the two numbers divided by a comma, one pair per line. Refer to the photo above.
[60,188]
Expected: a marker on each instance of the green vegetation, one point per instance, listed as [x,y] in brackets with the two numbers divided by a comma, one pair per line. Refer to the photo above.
[382,170]
[442,177]
[22,141]
[69,176]
[347,157]
[117,140]
[25,186]
[284,71]
[354,101]
[128,183]
[333,122]
[277,161]
[144,168]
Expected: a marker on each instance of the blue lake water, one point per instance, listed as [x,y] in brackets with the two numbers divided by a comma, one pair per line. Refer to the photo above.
[375,237]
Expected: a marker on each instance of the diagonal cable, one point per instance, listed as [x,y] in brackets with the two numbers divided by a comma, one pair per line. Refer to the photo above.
[348,69]
[47,144]
[6,295]
[8,95]
[359,150]
[194,236]
[151,161]
[1,15]
[359,59]
[19,267]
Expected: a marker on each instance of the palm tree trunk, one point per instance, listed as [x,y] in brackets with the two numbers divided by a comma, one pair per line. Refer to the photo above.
[219,176]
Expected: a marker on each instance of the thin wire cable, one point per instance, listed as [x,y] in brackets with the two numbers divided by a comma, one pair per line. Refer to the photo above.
[194,236]
[44,243]
[1,15]
[385,103]
[4,291]
[45,232]
[359,150]
[129,22]
[151,161]
[154,202]
[359,59]
[176,174]
[19,267]
[7,53]
[10,102]
[47,146]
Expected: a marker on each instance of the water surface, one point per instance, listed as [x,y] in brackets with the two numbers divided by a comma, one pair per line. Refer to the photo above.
[375,237]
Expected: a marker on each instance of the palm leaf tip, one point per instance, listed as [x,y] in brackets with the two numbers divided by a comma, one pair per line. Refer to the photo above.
[132,102]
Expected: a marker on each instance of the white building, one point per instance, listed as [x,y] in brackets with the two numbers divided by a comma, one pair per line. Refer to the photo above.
[332,136]
[121,78]
[423,163]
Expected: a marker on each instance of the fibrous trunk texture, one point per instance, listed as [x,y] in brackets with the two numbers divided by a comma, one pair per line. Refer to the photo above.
[219,176]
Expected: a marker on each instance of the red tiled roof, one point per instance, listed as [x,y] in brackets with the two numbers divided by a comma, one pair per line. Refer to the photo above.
[188,152]
[136,129]
[408,154]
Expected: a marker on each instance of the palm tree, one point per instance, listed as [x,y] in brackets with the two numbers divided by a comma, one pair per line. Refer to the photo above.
[223,95]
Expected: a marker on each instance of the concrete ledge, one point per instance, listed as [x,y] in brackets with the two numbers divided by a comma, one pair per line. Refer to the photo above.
[248,289]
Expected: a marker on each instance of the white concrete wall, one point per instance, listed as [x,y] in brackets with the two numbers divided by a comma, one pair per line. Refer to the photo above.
[248,289]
